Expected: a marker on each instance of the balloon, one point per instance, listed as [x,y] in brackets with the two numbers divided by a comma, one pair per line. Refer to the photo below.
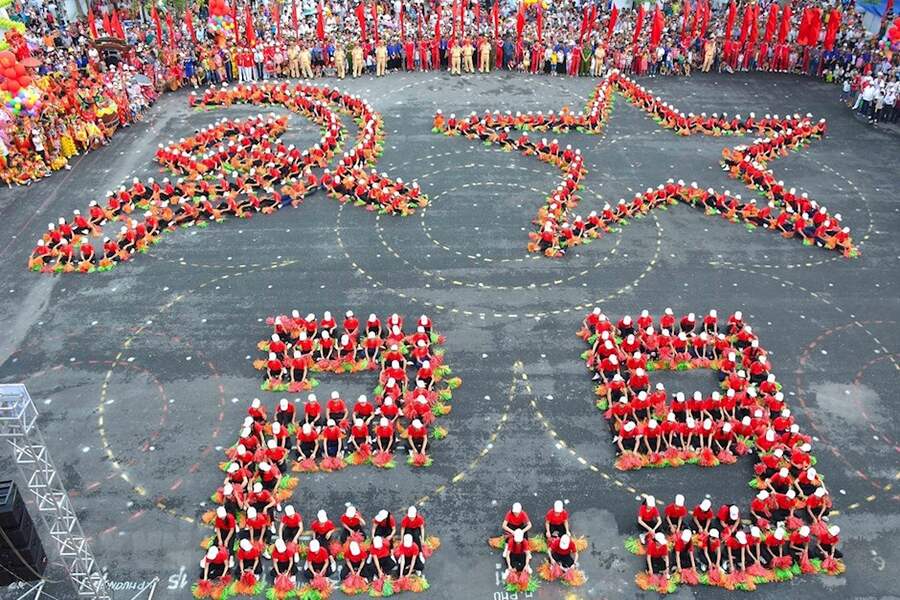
[24,80]
[20,70]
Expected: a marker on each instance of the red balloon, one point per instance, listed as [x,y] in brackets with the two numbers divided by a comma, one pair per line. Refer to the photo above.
[24,80]
[10,73]
[13,86]
[20,70]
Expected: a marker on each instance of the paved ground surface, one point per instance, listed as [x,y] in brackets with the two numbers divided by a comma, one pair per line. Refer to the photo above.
[136,438]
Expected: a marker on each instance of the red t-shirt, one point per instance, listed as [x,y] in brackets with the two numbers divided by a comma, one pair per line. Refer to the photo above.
[515,521]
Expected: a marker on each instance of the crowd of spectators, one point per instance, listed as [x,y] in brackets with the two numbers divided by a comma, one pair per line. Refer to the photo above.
[90,85]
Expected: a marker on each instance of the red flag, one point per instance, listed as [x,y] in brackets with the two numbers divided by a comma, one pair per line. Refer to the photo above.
[250,31]
[320,21]
[815,26]
[419,24]
[91,22]
[638,25]
[771,23]
[477,14]
[117,26]
[729,21]
[171,29]
[361,18]
[656,27]
[402,29]
[539,23]
[754,27]
[611,26]
[437,23]
[834,24]
[520,21]
[584,23]
[592,25]
[803,31]
[454,16]
[462,17]
[277,16]
[294,17]
[495,17]
[234,19]
[785,26]
[704,19]
[107,27]
[686,19]
[375,20]
[190,25]
[155,16]
[745,25]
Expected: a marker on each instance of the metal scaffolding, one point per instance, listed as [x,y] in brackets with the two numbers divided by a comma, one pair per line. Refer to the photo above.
[18,425]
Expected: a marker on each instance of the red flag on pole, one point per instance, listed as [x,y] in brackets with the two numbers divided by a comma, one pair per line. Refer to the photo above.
[276,15]
[686,18]
[815,26]
[745,25]
[375,20]
[402,29]
[584,23]
[294,16]
[116,24]
[155,16]
[320,21]
[477,14]
[729,20]
[656,27]
[592,20]
[771,23]
[454,16]
[361,18]
[190,25]
[495,17]
[539,22]
[754,27]
[234,19]
[834,24]
[250,31]
[91,22]
[419,24]
[611,26]
[462,17]
[638,25]
[704,21]
[437,23]
[171,29]
[785,28]
[520,21]
[107,27]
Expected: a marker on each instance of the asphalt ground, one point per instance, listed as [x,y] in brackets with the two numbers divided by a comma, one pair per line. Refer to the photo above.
[142,374]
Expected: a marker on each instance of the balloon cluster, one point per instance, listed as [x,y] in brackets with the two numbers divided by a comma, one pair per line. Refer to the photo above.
[893,34]
[17,92]
[220,19]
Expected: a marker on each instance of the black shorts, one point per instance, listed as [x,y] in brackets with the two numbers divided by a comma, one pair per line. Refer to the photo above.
[517,561]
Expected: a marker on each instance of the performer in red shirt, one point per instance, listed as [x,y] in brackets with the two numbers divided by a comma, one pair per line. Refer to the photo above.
[517,553]
[516,519]
[352,523]
[410,557]
[413,524]
[322,528]
[248,558]
[215,563]
[562,552]
[291,525]
[381,563]
[657,554]
[557,521]
[318,562]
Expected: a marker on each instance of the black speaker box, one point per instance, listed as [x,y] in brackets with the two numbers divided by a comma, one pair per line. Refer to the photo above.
[21,552]
[12,506]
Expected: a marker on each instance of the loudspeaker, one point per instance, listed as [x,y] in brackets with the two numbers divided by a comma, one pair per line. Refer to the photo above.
[21,552]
